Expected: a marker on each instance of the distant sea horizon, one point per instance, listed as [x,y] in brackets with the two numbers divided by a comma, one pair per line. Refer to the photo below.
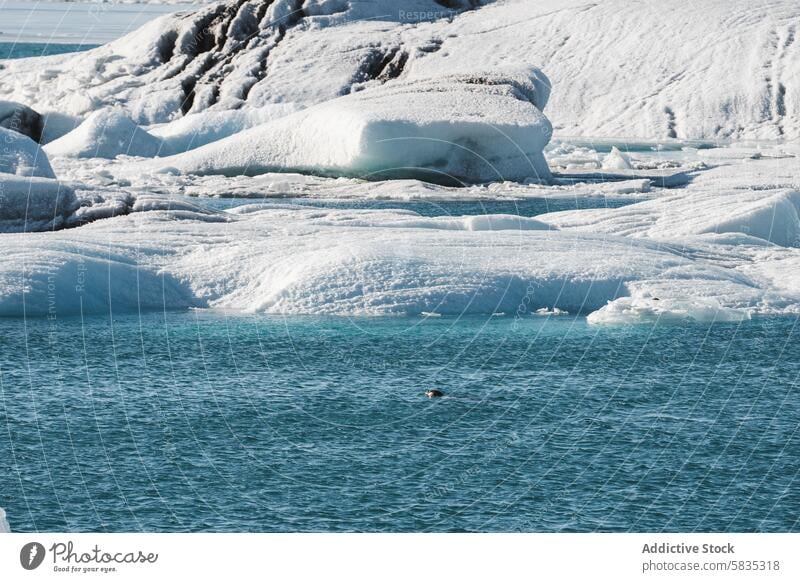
[76,23]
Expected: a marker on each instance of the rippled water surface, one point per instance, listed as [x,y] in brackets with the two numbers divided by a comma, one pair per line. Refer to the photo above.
[526,207]
[207,421]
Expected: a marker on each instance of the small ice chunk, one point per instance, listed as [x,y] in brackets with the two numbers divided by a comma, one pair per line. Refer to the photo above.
[632,310]
[503,222]
[616,160]
[544,311]
[21,156]
[30,204]
[107,133]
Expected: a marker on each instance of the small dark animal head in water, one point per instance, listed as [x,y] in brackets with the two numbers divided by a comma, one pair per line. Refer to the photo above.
[433,393]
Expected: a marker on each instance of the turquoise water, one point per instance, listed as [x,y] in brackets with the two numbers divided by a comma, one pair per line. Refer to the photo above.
[526,207]
[207,421]
[19,50]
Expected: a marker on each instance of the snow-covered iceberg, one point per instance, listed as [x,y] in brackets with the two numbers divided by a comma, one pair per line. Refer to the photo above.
[21,156]
[106,133]
[461,128]
[30,196]
[32,204]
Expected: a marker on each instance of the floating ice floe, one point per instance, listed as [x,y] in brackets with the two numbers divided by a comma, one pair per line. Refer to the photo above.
[755,209]
[32,204]
[30,196]
[633,310]
[286,259]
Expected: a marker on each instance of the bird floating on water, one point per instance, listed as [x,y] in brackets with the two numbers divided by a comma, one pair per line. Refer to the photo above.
[433,393]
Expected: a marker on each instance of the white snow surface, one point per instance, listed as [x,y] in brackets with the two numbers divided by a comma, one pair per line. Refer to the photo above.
[21,156]
[473,128]
[106,133]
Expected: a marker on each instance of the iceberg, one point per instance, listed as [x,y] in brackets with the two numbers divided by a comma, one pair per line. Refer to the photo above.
[287,259]
[106,133]
[457,129]
[30,196]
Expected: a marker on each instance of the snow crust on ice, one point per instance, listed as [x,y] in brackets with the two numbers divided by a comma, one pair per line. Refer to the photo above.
[22,119]
[299,260]
[768,213]
[106,133]
[199,129]
[21,156]
[455,129]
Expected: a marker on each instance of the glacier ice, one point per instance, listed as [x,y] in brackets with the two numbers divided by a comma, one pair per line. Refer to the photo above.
[769,212]
[30,196]
[456,129]
[261,100]
[106,133]
[299,260]
[289,259]
[32,204]
[631,310]
[21,156]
